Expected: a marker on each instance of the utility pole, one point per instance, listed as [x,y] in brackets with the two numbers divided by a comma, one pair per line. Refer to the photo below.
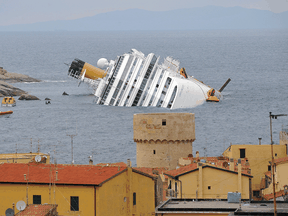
[273,176]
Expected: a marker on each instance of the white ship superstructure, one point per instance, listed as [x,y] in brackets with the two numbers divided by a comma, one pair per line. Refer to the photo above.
[135,80]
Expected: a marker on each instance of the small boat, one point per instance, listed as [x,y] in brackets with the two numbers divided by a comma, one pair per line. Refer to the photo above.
[6,112]
[9,102]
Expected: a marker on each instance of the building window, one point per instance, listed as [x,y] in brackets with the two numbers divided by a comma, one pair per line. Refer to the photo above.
[163,122]
[256,193]
[242,153]
[36,199]
[170,185]
[154,151]
[134,198]
[269,168]
[275,154]
[74,203]
[209,187]
[175,187]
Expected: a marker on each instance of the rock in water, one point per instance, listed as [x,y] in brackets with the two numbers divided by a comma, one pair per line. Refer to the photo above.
[28,97]
[64,93]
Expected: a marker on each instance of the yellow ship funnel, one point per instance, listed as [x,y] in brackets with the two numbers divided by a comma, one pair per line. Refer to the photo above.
[79,67]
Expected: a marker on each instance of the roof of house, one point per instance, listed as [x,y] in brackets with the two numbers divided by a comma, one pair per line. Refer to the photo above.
[67,174]
[268,174]
[277,194]
[281,160]
[39,210]
[193,167]
[181,170]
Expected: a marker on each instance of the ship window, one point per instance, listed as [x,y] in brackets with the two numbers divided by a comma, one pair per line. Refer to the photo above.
[74,203]
[164,122]
[242,153]
[36,199]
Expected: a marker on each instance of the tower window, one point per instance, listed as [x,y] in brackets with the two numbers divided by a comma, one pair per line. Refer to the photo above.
[163,122]
[242,153]
[209,187]
[154,151]
[36,199]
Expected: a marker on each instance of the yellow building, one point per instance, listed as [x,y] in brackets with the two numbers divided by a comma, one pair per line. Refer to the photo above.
[24,157]
[281,179]
[207,181]
[258,157]
[78,189]
[162,138]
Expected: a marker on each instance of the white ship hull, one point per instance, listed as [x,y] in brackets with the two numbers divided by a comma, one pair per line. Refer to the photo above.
[135,80]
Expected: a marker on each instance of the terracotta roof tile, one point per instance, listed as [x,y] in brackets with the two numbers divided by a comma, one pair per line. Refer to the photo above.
[268,173]
[277,194]
[222,162]
[281,160]
[182,170]
[67,174]
[39,210]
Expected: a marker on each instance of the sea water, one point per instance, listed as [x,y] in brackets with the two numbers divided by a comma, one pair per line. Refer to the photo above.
[255,60]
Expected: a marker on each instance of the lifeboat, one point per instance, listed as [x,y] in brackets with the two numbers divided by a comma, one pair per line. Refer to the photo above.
[9,102]
[6,112]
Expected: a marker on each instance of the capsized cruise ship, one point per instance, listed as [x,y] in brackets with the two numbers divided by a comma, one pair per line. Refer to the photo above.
[134,79]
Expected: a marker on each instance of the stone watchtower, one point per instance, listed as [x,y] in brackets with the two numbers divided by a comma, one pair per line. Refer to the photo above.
[162,138]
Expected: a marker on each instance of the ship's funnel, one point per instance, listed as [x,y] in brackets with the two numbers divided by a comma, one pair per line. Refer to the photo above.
[79,67]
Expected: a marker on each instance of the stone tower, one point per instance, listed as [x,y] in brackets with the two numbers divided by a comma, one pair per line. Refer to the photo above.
[162,138]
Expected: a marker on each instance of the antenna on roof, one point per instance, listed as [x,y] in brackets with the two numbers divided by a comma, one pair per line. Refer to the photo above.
[9,212]
[71,136]
[31,146]
[38,146]
[38,158]
[20,205]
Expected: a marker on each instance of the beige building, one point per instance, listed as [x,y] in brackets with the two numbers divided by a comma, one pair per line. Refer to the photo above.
[163,138]
[258,157]
[24,157]
[213,178]
[281,180]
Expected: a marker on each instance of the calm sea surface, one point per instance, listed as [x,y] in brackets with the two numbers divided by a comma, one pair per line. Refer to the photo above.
[255,60]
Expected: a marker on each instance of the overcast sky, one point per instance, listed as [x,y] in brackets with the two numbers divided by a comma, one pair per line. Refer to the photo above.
[31,11]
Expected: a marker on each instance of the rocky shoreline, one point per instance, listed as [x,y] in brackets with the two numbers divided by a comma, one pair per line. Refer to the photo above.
[7,89]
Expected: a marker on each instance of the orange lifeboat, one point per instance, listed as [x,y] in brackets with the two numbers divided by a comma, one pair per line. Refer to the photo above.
[6,112]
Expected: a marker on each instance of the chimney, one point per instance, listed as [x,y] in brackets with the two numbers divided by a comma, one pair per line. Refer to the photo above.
[90,161]
[57,176]
[197,154]
[128,163]
[231,164]
[25,177]
[260,141]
